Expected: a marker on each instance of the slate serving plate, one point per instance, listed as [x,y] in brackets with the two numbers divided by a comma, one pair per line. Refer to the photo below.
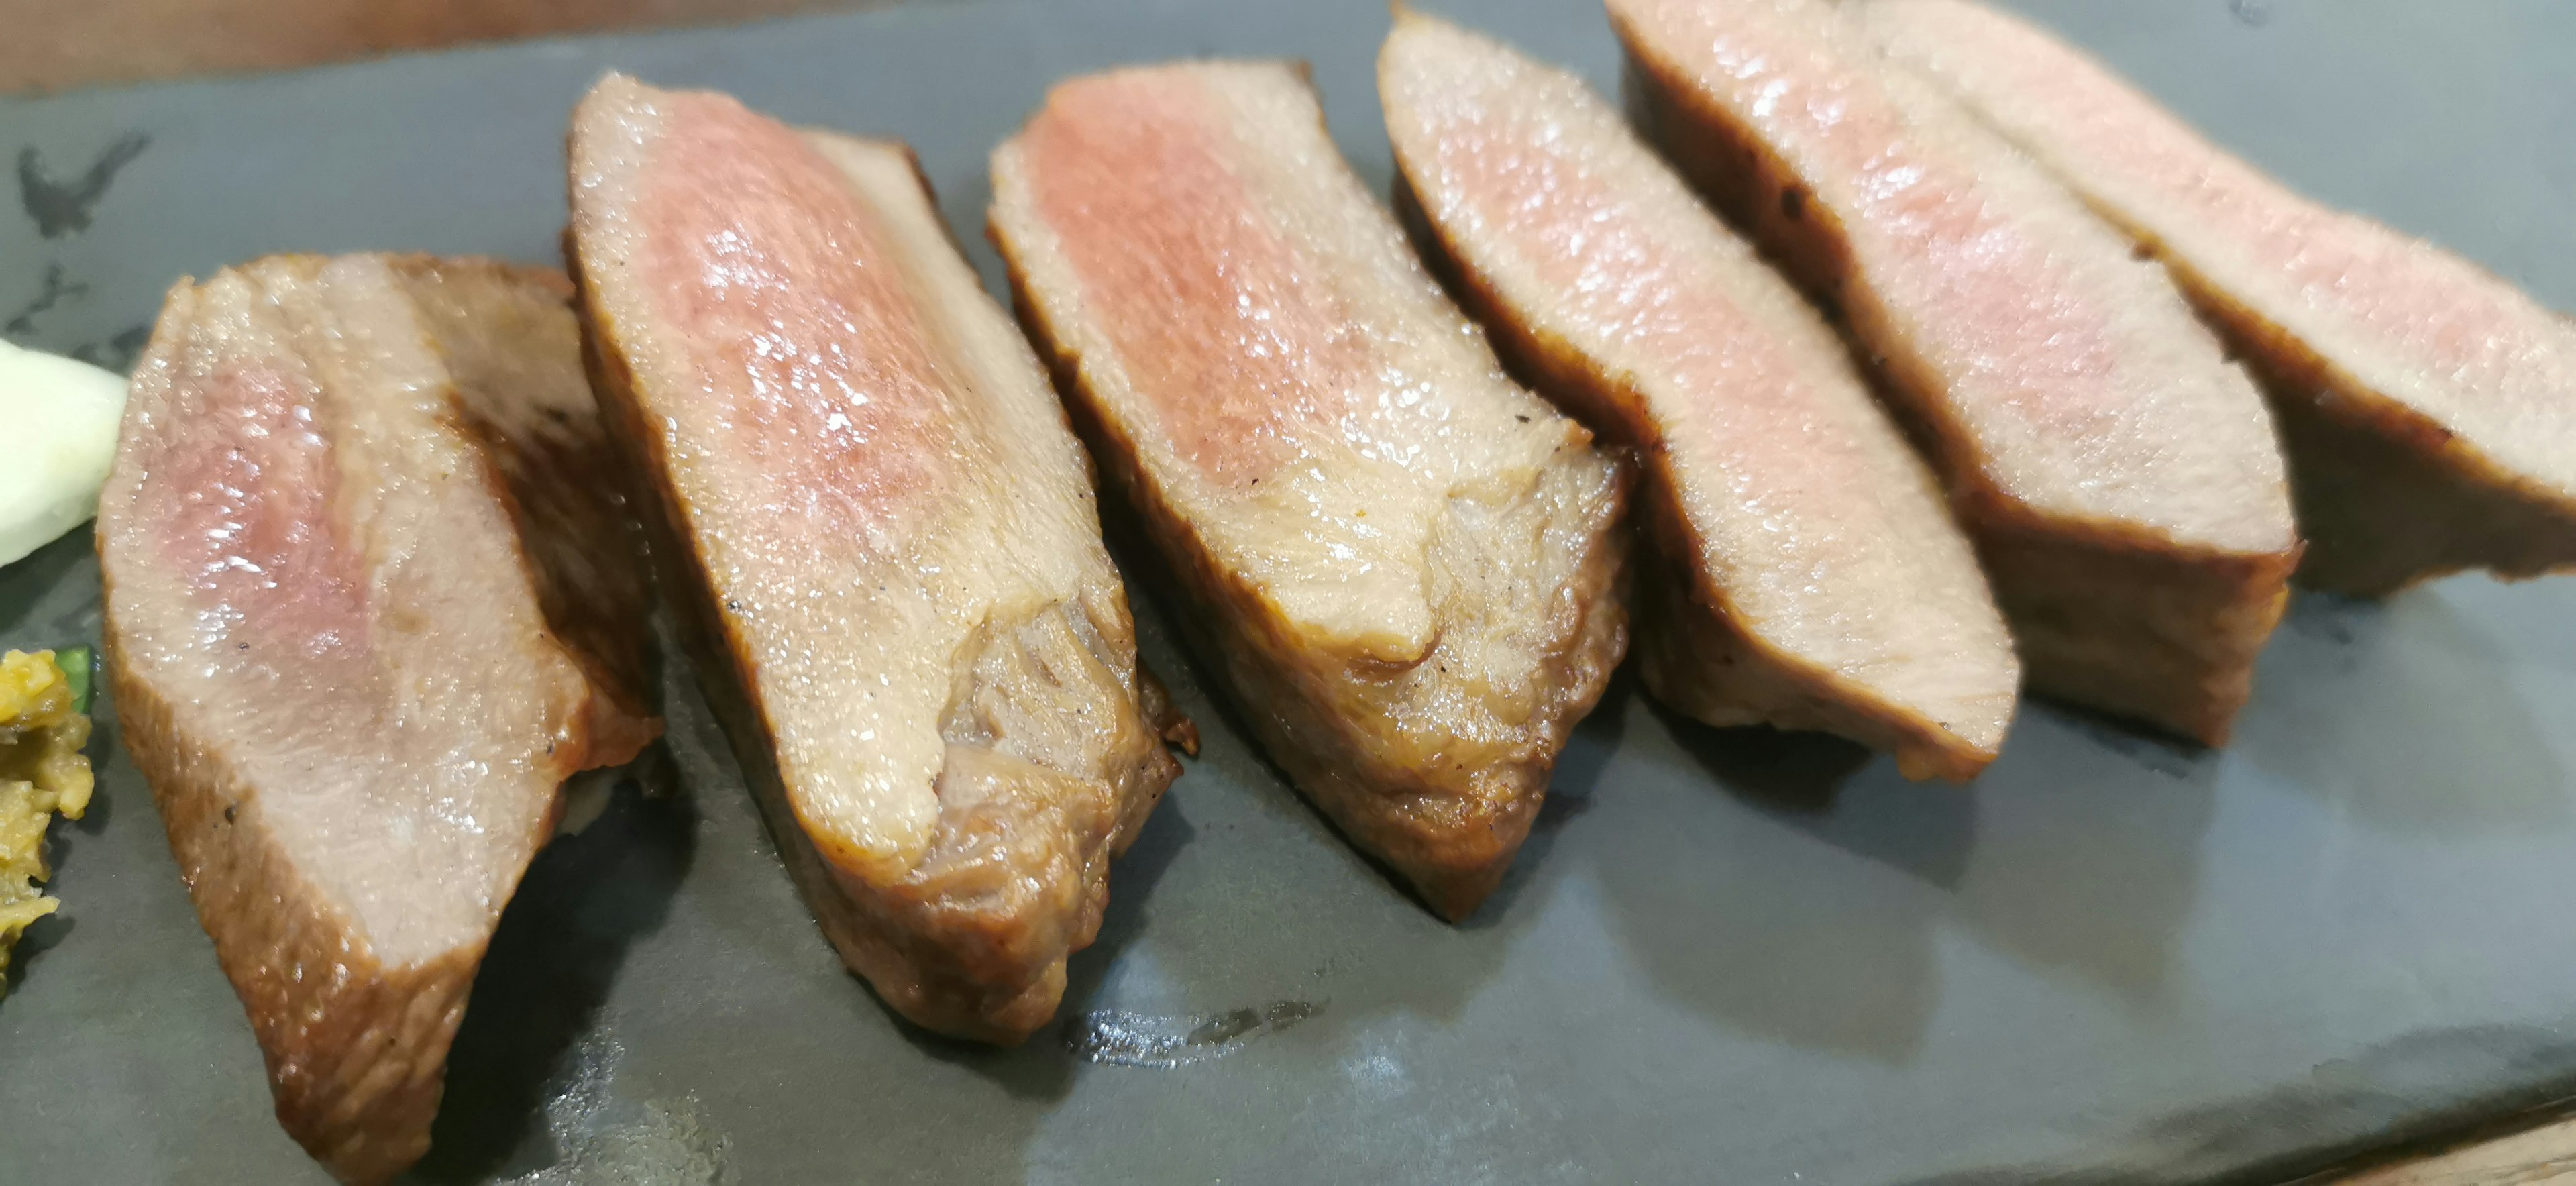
[1725,956]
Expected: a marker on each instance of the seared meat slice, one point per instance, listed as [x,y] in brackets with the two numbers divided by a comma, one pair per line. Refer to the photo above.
[1809,575]
[2118,475]
[2428,408]
[1403,565]
[899,598]
[371,597]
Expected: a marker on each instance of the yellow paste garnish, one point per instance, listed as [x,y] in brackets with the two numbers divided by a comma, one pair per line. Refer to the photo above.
[42,772]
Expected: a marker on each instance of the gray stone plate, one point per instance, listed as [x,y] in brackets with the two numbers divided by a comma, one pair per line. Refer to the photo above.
[1725,956]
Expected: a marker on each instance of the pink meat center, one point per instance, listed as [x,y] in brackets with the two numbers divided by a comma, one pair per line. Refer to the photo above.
[2449,320]
[1753,416]
[1224,329]
[1979,282]
[255,489]
[813,368]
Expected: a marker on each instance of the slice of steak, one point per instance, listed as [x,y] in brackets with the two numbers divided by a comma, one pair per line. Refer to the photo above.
[370,599]
[1402,565]
[2428,407]
[1807,572]
[899,599]
[2120,477]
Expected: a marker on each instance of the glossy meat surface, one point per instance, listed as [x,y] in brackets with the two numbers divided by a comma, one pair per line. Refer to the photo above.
[2121,479]
[2364,330]
[900,598]
[1403,564]
[1811,550]
[370,600]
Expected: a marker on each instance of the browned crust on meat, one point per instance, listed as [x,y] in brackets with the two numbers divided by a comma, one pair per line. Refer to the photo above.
[980,967]
[1170,724]
[2140,632]
[1450,833]
[566,493]
[2386,496]
[1692,650]
[2103,614]
[356,1051]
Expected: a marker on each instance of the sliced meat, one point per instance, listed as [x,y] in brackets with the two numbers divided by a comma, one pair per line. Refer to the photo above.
[899,598]
[1402,564]
[2429,408]
[1808,574]
[370,599]
[2119,477]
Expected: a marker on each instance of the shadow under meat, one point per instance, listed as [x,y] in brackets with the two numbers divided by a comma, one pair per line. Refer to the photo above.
[2088,850]
[1748,906]
[1579,768]
[2399,712]
[585,900]
[1786,771]
[1838,791]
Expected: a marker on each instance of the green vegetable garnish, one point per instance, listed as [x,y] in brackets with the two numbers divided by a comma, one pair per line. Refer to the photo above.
[75,663]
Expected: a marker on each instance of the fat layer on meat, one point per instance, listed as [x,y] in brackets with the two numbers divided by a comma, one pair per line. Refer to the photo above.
[370,599]
[2428,407]
[1805,572]
[1403,566]
[2120,478]
[899,598]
